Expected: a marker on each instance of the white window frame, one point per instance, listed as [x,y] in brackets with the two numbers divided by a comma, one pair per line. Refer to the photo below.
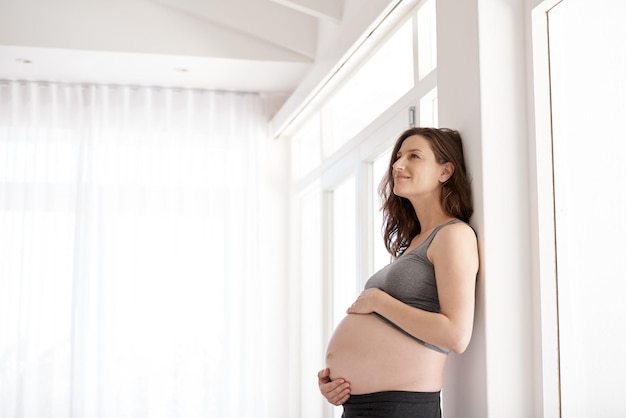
[354,158]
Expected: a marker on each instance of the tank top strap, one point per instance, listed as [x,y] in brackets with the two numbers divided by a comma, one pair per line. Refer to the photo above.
[430,238]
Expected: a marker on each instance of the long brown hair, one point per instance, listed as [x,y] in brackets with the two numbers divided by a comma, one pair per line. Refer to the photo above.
[400,223]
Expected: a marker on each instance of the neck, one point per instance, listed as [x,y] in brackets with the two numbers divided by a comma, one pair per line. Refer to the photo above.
[430,214]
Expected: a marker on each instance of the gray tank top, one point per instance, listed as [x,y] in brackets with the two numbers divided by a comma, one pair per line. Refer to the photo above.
[411,279]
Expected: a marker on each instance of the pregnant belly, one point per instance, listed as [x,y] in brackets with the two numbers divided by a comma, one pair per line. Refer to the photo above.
[375,357]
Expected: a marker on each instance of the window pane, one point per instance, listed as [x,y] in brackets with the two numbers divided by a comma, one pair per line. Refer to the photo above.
[426,38]
[375,87]
[379,169]
[345,282]
[429,111]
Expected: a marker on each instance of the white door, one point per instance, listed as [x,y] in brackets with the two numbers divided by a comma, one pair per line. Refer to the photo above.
[588,88]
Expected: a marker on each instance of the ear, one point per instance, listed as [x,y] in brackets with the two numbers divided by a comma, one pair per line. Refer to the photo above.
[447,169]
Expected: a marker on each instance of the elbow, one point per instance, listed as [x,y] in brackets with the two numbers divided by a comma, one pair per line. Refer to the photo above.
[459,348]
[459,343]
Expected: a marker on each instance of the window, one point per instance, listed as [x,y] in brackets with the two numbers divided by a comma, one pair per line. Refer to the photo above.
[340,156]
[378,168]
[383,79]
[343,236]
[118,248]
[427,38]
[428,109]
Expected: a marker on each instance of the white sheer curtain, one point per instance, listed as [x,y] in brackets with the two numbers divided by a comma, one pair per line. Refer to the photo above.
[128,242]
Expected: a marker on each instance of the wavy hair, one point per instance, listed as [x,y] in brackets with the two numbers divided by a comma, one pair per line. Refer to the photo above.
[400,223]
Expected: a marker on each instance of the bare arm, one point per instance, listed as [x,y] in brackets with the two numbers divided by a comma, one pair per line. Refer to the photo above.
[454,254]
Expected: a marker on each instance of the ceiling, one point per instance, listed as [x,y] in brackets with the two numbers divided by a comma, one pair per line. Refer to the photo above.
[249,45]
[267,46]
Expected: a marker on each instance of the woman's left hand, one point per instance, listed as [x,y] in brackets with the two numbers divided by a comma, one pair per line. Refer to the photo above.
[367,301]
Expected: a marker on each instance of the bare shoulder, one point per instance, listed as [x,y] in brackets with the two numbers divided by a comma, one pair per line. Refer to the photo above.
[453,241]
[456,231]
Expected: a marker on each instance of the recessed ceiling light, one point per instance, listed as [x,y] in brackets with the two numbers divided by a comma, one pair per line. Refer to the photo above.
[23,61]
[182,70]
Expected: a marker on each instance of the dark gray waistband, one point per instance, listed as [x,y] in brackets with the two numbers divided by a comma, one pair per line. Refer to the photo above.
[395,396]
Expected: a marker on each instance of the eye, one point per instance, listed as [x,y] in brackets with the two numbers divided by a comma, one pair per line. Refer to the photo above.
[414,156]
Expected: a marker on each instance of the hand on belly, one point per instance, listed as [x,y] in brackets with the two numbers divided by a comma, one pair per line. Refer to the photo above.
[374,357]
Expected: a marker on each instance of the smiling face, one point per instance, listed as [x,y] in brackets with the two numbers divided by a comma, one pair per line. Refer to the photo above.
[416,172]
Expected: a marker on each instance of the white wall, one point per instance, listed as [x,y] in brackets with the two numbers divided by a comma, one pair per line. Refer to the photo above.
[483,93]
[465,390]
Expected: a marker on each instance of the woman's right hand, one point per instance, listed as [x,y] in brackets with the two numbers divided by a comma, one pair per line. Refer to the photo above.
[335,391]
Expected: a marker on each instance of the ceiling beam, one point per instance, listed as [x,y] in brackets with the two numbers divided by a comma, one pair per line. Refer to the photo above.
[322,9]
[266,20]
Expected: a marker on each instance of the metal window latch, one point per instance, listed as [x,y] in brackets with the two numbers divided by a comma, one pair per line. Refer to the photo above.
[412,116]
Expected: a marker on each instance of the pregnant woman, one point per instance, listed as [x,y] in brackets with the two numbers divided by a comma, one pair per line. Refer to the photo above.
[386,357]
